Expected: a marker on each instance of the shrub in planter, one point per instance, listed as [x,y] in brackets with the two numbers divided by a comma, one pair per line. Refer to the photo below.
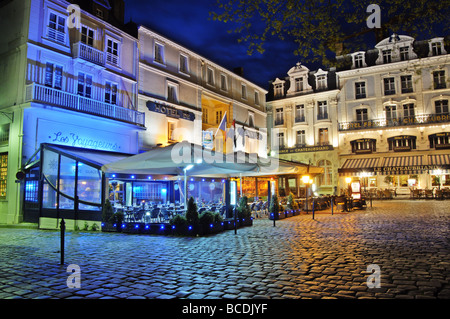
[191,212]
[206,219]
[274,208]
[179,224]
[107,211]
[243,208]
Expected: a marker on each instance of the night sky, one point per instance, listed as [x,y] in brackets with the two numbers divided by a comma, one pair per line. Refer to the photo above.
[188,23]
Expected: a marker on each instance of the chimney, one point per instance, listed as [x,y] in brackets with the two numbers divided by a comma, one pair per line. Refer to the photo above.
[239,71]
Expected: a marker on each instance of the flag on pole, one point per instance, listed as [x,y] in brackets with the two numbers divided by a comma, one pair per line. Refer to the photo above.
[220,145]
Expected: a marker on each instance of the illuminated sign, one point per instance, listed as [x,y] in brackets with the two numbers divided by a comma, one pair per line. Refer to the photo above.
[170,111]
[306,149]
[83,137]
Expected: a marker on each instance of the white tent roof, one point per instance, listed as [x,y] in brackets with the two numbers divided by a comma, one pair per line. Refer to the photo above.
[173,159]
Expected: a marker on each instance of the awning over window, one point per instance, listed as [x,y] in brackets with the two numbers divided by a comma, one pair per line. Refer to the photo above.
[357,166]
[402,165]
[441,160]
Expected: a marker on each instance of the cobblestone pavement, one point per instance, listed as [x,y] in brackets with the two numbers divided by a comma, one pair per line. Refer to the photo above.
[299,258]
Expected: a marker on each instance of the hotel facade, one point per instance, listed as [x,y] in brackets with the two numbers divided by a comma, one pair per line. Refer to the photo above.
[80,88]
[393,115]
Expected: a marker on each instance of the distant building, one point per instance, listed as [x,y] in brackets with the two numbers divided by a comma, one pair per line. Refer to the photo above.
[302,118]
[393,115]
[185,96]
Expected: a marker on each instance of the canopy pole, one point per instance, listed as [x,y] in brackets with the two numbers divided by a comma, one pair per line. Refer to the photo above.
[240,183]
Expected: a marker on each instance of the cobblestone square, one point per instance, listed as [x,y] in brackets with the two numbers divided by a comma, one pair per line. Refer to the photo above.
[299,258]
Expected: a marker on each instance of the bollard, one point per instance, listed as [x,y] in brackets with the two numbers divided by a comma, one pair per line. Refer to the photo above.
[332,200]
[371,200]
[313,207]
[63,229]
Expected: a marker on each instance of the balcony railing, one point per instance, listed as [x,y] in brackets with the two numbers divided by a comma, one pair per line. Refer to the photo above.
[40,93]
[88,53]
[405,121]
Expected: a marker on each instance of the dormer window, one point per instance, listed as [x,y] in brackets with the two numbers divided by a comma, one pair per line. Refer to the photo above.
[387,56]
[437,47]
[359,60]
[278,88]
[321,82]
[299,84]
[404,53]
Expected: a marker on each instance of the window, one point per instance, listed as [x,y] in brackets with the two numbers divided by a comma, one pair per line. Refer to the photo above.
[404,53]
[251,119]
[406,82]
[299,84]
[440,140]
[300,138]
[280,137]
[53,75]
[170,129]
[321,82]
[210,76]
[402,143]
[439,79]
[360,89]
[112,52]
[441,106]
[223,82]
[323,136]
[87,36]
[389,86]
[3,174]
[159,53]
[408,110]
[363,145]
[387,56]
[278,89]
[56,28]
[322,110]
[84,85]
[361,115]
[184,64]
[99,13]
[359,60]
[218,117]
[327,176]
[436,48]
[256,98]
[110,93]
[205,116]
[279,118]
[299,113]
[391,113]
[172,93]
[244,91]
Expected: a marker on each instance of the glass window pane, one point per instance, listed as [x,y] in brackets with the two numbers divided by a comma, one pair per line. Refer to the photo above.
[89,184]
[67,176]
[50,166]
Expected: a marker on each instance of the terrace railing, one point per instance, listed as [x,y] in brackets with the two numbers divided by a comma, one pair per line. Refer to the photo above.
[88,53]
[40,93]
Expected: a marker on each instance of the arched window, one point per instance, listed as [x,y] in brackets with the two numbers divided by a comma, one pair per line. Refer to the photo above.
[326,178]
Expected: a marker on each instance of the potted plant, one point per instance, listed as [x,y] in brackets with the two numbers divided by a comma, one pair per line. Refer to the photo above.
[192,215]
[274,208]
[244,212]
[108,217]
[179,225]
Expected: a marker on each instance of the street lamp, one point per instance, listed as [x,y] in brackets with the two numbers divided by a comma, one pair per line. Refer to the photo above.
[348,180]
[306,180]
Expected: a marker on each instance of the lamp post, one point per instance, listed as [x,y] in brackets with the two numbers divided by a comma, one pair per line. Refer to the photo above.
[306,180]
[185,184]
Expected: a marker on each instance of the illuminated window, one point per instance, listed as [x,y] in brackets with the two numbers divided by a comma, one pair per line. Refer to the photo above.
[439,79]
[406,81]
[361,115]
[389,86]
[299,113]
[436,48]
[301,138]
[3,174]
[327,177]
[205,115]
[53,75]
[359,61]
[87,36]
[110,93]
[84,85]
[56,28]
[184,64]
[159,53]
[112,52]
[299,84]
[210,76]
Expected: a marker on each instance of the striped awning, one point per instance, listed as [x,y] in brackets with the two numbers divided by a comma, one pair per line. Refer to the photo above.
[356,166]
[402,165]
[442,160]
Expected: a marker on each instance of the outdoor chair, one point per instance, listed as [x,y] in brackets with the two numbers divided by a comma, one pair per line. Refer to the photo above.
[258,209]
[387,194]
[439,194]
[340,202]
[428,193]
[139,216]
[154,215]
